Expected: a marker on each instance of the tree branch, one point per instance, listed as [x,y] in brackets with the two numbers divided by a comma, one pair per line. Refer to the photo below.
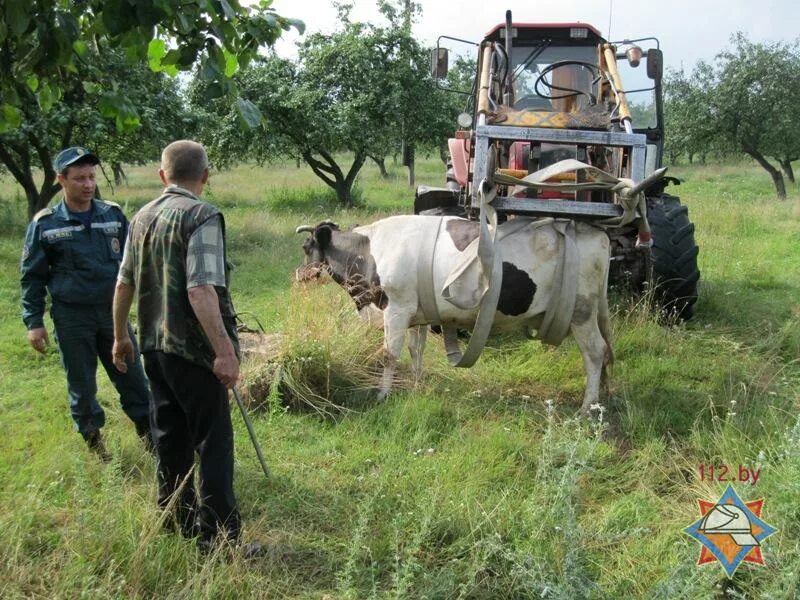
[358,162]
[317,166]
[24,179]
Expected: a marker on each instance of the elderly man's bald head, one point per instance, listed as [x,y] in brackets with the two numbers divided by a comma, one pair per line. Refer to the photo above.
[184,162]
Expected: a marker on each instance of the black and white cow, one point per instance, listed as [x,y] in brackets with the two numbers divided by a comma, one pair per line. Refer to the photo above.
[377,265]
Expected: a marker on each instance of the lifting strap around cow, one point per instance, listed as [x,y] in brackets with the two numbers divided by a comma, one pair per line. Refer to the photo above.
[484,255]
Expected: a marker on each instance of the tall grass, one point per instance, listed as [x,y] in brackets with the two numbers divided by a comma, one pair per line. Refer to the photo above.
[478,483]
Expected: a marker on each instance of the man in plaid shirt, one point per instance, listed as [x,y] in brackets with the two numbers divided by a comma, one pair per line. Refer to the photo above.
[175,266]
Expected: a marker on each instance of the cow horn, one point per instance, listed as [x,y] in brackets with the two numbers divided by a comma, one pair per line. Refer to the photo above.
[302,228]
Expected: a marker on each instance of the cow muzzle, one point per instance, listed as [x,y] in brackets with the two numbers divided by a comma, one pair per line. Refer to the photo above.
[312,272]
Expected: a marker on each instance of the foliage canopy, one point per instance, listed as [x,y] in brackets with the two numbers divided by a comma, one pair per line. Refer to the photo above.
[363,90]
[45,43]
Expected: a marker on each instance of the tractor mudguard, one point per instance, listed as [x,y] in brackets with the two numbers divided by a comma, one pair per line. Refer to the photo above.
[459,155]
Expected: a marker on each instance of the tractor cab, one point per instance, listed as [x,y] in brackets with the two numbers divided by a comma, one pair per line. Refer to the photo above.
[559,121]
[553,66]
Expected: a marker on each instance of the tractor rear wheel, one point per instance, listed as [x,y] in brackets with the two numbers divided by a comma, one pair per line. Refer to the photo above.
[674,252]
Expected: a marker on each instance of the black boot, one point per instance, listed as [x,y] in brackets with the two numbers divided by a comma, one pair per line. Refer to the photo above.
[142,425]
[95,442]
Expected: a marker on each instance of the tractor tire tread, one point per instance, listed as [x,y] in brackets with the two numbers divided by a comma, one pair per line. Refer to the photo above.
[675,253]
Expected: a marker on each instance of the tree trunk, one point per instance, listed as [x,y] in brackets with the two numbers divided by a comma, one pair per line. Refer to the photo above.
[691,158]
[381,162]
[408,161]
[330,172]
[18,164]
[39,199]
[786,167]
[343,194]
[119,173]
[777,178]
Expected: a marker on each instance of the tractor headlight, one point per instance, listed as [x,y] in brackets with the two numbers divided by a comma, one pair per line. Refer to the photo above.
[464,120]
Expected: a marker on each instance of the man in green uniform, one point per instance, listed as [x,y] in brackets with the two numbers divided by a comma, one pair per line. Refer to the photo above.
[73,251]
[175,267]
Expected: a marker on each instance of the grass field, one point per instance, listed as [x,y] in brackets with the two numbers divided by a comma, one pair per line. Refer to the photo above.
[479,483]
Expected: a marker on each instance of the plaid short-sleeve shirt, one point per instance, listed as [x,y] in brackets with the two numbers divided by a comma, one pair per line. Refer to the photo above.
[205,256]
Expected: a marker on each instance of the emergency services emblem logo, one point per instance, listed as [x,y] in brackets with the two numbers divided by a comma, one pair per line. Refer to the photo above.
[115,245]
[731,531]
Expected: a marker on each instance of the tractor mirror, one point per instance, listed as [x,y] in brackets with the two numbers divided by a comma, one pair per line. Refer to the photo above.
[655,63]
[439,57]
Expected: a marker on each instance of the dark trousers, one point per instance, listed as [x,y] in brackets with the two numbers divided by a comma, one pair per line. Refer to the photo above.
[190,413]
[84,334]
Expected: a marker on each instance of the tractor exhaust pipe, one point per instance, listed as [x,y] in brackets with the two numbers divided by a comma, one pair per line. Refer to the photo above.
[508,97]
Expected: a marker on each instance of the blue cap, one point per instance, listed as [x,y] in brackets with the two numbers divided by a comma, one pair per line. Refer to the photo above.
[71,155]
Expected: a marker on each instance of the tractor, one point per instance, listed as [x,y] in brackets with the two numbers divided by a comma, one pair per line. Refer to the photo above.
[543,93]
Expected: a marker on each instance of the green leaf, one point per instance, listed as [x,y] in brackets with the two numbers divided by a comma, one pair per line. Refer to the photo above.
[80,48]
[167,6]
[231,63]
[126,122]
[131,55]
[32,82]
[188,54]
[213,91]
[210,71]
[91,88]
[18,16]
[226,8]
[248,113]
[10,118]
[156,51]
[68,24]
[299,25]
[47,96]
[118,16]
[108,105]
[171,58]
[148,14]
[185,23]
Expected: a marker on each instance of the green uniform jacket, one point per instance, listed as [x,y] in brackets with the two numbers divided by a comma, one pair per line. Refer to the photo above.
[75,265]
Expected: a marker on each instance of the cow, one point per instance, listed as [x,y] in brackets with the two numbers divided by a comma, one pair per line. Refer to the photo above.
[377,265]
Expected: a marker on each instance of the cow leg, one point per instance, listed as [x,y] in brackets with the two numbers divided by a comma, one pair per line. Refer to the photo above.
[605,331]
[395,324]
[593,350]
[416,346]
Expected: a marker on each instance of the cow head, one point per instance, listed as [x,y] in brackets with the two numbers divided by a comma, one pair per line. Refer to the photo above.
[345,256]
[314,250]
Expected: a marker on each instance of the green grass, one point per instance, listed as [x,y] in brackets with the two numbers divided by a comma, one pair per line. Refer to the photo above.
[478,483]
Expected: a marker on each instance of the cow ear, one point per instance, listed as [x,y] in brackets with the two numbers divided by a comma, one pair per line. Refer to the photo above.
[323,236]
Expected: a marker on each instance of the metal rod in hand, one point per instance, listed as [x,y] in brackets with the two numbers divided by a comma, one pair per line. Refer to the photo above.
[251,431]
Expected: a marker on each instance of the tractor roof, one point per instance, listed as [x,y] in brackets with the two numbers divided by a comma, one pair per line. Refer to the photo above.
[572,34]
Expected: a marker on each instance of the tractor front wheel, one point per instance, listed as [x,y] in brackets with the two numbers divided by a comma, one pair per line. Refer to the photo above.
[674,252]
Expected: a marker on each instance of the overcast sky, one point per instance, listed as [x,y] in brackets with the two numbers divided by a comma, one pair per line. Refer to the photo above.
[688,30]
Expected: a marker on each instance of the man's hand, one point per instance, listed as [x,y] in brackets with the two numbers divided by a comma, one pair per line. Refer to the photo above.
[226,368]
[122,353]
[38,339]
